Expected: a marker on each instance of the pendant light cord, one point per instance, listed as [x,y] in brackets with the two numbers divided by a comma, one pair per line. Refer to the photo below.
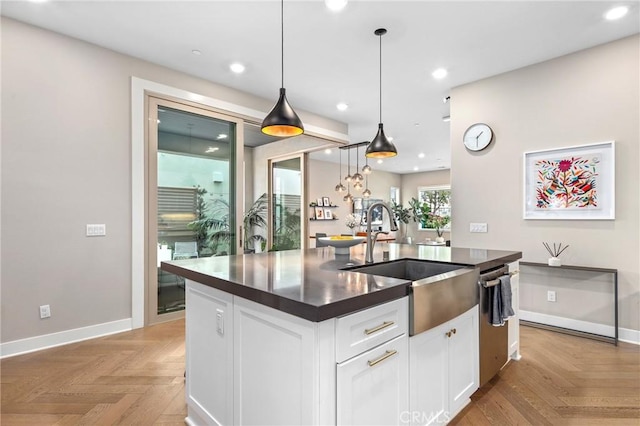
[282,42]
[380,77]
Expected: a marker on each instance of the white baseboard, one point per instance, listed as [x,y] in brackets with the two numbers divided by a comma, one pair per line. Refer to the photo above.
[624,334]
[37,343]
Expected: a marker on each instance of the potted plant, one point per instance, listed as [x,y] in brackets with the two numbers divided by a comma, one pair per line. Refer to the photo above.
[212,226]
[419,211]
[402,216]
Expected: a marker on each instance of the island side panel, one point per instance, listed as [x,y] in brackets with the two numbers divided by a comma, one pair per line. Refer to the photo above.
[275,367]
[209,355]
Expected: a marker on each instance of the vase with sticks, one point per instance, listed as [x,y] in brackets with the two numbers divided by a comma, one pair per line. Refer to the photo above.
[555,253]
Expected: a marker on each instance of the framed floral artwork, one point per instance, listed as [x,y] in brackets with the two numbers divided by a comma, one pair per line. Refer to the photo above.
[573,183]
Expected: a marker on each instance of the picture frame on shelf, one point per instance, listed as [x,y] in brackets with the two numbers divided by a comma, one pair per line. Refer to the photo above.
[327,214]
[319,202]
[319,213]
[326,202]
[571,183]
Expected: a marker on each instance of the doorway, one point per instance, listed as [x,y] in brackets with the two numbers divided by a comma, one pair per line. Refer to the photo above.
[287,195]
[193,191]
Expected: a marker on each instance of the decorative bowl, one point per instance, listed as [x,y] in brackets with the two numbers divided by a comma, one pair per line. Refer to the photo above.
[342,243]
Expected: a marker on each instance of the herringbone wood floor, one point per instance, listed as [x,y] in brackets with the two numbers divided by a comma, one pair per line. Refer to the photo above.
[133,378]
[137,378]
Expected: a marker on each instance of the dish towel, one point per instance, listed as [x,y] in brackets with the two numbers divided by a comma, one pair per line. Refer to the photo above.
[500,299]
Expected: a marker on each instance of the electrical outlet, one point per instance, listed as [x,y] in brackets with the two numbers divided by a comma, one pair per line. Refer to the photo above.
[45,311]
[551,296]
[96,230]
[477,227]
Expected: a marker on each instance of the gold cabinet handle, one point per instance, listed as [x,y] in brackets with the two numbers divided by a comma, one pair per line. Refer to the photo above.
[386,355]
[378,328]
[448,333]
[454,331]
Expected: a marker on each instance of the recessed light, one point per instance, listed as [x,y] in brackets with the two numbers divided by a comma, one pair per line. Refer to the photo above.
[421,155]
[415,169]
[196,52]
[335,5]
[237,67]
[379,161]
[327,151]
[439,73]
[222,136]
[446,118]
[416,124]
[616,13]
[342,106]
[212,149]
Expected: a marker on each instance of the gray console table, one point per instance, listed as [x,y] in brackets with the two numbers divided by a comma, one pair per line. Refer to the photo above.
[614,272]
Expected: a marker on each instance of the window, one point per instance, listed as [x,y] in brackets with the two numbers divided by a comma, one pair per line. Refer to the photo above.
[438,199]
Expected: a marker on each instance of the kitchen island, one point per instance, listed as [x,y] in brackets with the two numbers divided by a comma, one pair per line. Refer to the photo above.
[292,337]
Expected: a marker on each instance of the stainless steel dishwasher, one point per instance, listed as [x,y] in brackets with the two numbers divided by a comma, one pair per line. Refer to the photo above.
[493,340]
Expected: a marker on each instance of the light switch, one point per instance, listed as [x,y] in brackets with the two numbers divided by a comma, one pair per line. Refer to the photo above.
[96,230]
[477,227]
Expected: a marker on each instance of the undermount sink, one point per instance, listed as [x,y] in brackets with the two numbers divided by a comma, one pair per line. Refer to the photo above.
[439,291]
[410,270]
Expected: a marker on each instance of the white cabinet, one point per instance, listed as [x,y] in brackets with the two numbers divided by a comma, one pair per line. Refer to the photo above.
[209,342]
[372,351]
[443,364]
[514,322]
[274,374]
[373,387]
[251,364]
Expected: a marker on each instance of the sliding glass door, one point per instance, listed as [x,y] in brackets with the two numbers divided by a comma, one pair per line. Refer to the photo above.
[194,190]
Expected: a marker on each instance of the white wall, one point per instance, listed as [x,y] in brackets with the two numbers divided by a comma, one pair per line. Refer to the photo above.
[66,141]
[587,97]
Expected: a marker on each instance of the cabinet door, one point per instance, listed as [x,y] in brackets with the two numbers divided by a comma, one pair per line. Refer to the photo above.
[373,387]
[514,322]
[209,353]
[275,367]
[428,382]
[463,359]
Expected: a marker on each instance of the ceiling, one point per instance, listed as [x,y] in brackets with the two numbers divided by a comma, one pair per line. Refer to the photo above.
[333,57]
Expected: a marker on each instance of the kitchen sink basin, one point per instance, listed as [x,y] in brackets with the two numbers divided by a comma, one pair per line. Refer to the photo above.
[439,291]
[410,270]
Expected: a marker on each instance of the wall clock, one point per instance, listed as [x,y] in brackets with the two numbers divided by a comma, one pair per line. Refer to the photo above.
[477,137]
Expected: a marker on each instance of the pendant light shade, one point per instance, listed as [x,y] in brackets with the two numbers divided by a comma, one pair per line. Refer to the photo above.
[282,121]
[380,146]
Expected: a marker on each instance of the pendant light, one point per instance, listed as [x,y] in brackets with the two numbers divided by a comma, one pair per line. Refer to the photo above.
[348,177]
[340,188]
[357,177]
[366,169]
[282,121]
[380,146]
[367,192]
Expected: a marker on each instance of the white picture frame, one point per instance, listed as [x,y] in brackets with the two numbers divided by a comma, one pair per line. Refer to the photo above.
[570,183]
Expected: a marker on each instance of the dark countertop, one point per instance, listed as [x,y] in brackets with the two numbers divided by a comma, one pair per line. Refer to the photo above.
[312,284]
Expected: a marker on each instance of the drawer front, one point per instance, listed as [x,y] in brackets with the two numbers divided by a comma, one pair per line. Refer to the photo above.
[363,330]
